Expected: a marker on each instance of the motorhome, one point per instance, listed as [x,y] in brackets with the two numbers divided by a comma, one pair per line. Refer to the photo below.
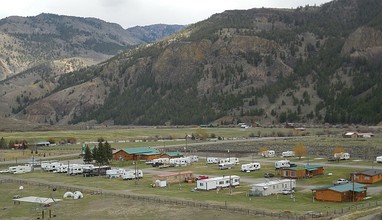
[250,167]
[268,153]
[342,156]
[20,169]
[379,159]
[212,160]
[288,154]
[131,174]
[227,165]
[218,182]
[282,164]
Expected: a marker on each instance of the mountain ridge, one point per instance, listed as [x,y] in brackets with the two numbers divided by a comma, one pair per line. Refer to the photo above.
[307,65]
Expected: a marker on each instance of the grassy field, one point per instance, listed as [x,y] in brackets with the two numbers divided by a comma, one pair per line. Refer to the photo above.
[236,197]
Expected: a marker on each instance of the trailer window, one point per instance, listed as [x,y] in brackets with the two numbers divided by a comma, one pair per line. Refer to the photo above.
[221,182]
[201,184]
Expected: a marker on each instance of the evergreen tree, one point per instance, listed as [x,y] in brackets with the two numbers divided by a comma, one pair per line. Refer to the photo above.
[3,143]
[109,152]
[88,158]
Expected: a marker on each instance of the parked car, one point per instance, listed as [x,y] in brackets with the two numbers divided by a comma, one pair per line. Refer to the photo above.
[341,181]
[201,177]
[269,175]
[332,159]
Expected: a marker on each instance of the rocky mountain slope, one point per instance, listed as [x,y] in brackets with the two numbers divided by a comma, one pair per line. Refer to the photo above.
[36,51]
[309,65]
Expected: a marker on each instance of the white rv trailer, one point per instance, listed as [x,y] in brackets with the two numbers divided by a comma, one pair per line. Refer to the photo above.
[181,161]
[75,169]
[379,159]
[218,182]
[229,160]
[288,153]
[131,174]
[226,165]
[250,167]
[20,169]
[272,187]
[212,160]
[193,158]
[268,153]
[46,164]
[114,173]
[342,156]
[282,164]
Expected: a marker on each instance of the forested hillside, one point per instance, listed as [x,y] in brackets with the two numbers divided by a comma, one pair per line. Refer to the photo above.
[309,65]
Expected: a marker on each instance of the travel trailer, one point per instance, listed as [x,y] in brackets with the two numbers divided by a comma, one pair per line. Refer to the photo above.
[379,159]
[131,174]
[20,169]
[234,160]
[95,171]
[181,161]
[268,153]
[212,160]
[227,165]
[250,167]
[114,173]
[342,156]
[273,187]
[282,164]
[288,154]
[160,162]
[218,182]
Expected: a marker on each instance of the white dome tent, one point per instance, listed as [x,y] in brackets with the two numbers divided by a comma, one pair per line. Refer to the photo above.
[78,195]
[68,194]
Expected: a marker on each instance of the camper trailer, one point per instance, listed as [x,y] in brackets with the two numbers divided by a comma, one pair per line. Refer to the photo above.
[95,171]
[379,159]
[75,169]
[268,153]
[234,160]
[218,182]
[250,167]
[273,187]
[160,162]
[342,156]
[212,160]
[192,158]
[131,174]
[114,173]
[20,169]
[181,161]
[282,164]
[288,154]
[227,165]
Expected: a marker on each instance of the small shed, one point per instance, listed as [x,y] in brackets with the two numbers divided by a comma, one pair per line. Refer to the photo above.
[306,171]
[272,187]
[176,177]
[340,193]
[367,176]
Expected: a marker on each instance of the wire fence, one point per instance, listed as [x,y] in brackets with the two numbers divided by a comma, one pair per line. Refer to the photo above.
[202,205]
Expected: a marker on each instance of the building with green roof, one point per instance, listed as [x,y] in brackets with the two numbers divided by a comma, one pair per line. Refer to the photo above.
[347,192]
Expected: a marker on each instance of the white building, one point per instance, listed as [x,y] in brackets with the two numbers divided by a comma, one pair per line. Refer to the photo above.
[218,182]
[272,187]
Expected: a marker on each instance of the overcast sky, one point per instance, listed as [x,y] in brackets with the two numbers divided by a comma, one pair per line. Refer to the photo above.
[129,13]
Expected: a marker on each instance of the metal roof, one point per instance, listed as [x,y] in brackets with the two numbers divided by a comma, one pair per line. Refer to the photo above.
[141,150]
[356,187]
[372,172]
[174,154]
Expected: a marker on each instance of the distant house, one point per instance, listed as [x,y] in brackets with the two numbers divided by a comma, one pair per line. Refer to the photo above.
[367,176]
[358,135]
[174,154]
[306,171]
[139,153]
[340,193]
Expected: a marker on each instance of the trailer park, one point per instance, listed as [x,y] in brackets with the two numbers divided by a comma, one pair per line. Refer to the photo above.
[227,180]
[223,178]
